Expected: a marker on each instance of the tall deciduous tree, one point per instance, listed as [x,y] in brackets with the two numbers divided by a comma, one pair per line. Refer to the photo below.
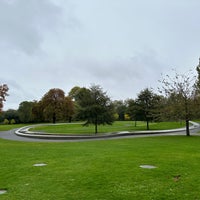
[53,102]
[133,111]
[3,93]
[95,106]
[74,92]
[37,111]
[198,77]
[25,111]
[68,108]
[182,86]
[120,109]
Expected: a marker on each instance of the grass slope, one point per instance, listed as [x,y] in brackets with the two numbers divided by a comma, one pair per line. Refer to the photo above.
[102,170]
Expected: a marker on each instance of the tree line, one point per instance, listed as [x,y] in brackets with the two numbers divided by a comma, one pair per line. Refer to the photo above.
[178,99]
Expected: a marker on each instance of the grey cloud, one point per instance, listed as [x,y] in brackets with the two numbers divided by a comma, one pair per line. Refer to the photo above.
[17,93]
[63,43]
[21,22]
[142,66]
[123,77]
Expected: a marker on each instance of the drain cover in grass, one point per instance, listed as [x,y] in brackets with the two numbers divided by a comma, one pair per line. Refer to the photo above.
[39,164]
[148,166]
[2,191]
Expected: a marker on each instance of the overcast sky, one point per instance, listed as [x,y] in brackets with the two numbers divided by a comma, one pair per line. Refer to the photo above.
[122,45]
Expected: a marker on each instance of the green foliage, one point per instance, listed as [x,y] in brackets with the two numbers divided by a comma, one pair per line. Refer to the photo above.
[106,170]
[25,111]
[12,121]
[132,110]
[74,92]
[146,106]
[120,109]
[197,84]
[95,106]
[37,112]
[10,114]
[68,109]
[6,121]
[3,93]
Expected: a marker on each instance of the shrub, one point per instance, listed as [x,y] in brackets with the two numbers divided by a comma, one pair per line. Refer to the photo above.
[12,121]
[6,121]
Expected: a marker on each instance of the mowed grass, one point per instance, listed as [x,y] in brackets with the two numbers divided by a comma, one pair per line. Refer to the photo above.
[102,170]
[6,127]
[78,128]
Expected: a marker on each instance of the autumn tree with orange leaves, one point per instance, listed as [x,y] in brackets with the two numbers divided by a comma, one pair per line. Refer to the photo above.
[53,102]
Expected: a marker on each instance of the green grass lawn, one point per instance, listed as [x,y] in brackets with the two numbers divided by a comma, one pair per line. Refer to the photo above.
[6,127]
[102,170]
[77,128]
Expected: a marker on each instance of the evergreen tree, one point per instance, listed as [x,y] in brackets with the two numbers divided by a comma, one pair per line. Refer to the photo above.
[95,106]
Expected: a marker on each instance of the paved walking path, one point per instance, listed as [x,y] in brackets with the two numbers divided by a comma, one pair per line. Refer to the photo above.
[34,137]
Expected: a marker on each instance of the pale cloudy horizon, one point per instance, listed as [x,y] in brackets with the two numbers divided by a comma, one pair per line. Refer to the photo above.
[123,46]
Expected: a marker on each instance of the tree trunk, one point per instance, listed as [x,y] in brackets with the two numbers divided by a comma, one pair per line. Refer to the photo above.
[187,127]
[135,123]
[96,128]
[147,124]
[54,118]
[187,118]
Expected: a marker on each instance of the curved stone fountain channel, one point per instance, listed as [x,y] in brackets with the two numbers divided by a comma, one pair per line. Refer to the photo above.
[24,132]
